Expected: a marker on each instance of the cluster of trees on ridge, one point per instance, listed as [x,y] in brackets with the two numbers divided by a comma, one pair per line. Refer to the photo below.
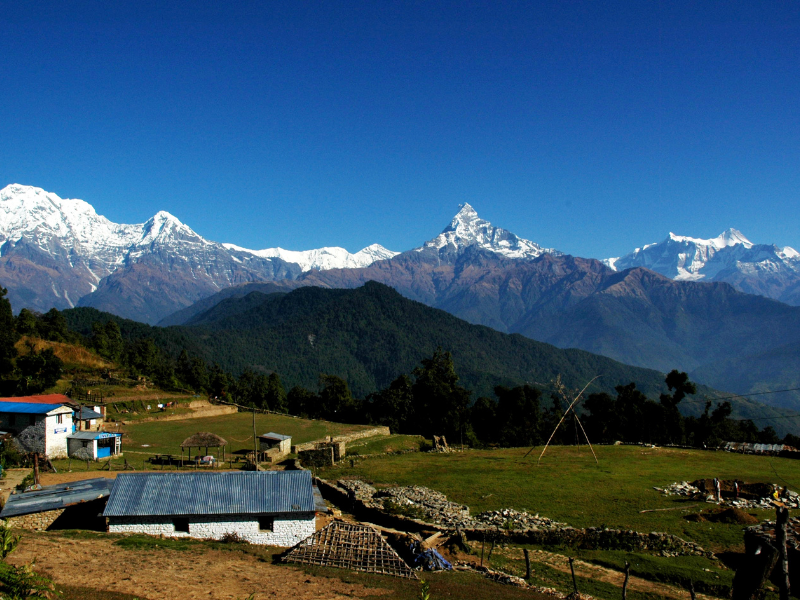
[429,401]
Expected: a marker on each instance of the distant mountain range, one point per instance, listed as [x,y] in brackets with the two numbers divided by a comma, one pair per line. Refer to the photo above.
[372,334]
[669,305]
[766,270]
[60,253]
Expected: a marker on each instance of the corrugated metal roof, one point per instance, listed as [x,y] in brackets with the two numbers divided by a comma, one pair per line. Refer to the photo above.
[27,407]
[53,497]
[275,436]
[41,399]
[247,492]
[92,435]
[87,414]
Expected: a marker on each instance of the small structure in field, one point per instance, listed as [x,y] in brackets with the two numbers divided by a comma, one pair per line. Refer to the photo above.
[274,508]
[89,419]
[101,444]
[39,424]
[274,445]
[350,546]
[204,439]
[74,505]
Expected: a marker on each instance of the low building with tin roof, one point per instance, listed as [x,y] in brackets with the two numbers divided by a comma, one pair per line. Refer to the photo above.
[39,423]
[274,508]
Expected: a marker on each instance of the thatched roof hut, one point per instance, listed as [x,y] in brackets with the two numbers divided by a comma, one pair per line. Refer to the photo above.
[203,439]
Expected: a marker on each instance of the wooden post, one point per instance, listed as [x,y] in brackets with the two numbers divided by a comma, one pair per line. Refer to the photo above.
[691,590]
[483,543]
[255,440]
[35,468]
[625,583]
[527,563]
[491,548]
[572,569]
[783,558]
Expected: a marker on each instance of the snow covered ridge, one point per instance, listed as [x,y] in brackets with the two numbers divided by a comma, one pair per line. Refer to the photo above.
[41,217]
[323,258]
[692,259]
[468,229]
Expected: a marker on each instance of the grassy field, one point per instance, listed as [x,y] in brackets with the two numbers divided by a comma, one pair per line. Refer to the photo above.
[568,486]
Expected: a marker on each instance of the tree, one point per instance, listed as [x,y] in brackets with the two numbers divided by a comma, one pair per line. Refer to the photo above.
[518,416]
[440,404]
[8,336]
[394,406]
[275,394]
[107,340]
[27,323]
[335,400]
[192,371]
[301,402]
[673,425]
[38,370]
[483,418]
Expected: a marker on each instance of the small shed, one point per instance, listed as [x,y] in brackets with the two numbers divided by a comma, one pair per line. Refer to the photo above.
[102,444]
[88,419]
[274,508]
[204,439]
[268,441]
[73,505]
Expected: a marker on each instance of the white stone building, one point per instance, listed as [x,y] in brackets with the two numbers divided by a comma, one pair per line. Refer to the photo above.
[39,423]
[274,508]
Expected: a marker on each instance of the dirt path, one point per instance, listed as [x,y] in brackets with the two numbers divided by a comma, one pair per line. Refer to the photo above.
[598,573]
[11,480]
[174,575]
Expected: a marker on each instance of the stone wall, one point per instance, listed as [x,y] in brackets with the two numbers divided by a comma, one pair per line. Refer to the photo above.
[349,437]
[37,521]
[287,530]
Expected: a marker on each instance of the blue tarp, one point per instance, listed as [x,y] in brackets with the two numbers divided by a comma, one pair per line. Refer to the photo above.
[429,560]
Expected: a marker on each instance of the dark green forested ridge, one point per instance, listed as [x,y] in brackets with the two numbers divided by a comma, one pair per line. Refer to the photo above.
[371,335]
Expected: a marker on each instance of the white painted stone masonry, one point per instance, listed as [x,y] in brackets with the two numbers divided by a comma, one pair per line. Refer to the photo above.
[287,530]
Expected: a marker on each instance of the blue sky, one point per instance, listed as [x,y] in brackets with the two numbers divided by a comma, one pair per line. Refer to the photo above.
[585,126]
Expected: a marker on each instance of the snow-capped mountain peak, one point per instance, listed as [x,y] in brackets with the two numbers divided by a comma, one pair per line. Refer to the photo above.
[468,229]
[729,256]
[322,259]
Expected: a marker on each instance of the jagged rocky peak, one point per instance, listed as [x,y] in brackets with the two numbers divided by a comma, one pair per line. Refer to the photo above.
[468,229]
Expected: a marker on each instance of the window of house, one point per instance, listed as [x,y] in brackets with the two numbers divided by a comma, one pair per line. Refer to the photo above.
[32,420]
[181,525]
[266,523]
[59,419]
[12,419]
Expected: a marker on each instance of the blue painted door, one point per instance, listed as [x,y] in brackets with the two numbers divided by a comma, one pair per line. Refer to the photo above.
[102,452]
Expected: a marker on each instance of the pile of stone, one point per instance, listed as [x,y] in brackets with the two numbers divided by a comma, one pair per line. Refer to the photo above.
[434,505]
[683,488]
[787,497]
[511,519]
[358,489]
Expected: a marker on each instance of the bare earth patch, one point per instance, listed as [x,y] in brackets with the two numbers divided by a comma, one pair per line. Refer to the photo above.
[175,575]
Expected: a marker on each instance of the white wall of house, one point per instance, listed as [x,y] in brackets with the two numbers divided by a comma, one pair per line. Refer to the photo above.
[41,433]
[287,530]
[56,433]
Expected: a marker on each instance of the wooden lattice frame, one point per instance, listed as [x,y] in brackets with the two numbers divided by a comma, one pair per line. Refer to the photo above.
[350,546]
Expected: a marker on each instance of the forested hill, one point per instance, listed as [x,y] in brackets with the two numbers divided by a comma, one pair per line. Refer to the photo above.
[371,335]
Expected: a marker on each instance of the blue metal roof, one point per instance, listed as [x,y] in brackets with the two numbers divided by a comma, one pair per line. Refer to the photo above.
[92,435]
[53,497]
[227,493]
[27,407]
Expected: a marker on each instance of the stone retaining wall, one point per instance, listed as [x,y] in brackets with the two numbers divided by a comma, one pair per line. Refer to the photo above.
[36,521]
[348,437]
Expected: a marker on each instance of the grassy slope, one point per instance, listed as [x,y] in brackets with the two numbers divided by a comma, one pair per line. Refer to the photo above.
[237,429]
[568,486]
